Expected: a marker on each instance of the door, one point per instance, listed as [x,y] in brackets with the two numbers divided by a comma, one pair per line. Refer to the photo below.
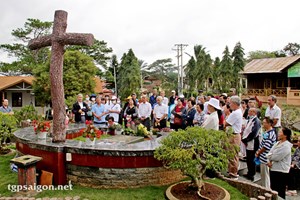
[268,87]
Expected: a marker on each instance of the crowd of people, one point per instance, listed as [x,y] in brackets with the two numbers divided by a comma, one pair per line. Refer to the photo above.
[266,144]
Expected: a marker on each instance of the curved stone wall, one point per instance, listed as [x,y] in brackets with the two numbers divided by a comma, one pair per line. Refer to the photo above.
[105,165]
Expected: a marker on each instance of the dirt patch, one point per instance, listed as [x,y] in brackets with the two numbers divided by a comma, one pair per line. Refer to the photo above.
[188,192]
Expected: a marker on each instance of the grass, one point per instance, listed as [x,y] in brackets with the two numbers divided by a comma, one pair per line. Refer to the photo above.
[234,193]
[146,193]
[6,175]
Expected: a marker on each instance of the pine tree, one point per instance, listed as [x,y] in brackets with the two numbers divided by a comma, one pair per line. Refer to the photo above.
[238,65]
[226,70]
[129,75]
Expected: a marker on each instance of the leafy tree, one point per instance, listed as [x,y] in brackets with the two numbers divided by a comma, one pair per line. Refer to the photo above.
[194,150]
[238,64]
[260,54]
[191,74]
[129,75]
[25,59]
[292,49]
[226,70]
[163,70]
[203,65]
[98,51]
[216,74]
[79,72]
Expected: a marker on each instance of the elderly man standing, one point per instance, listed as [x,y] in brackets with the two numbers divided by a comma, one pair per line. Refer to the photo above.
[250,138]
[5,108]
[274,113]
[80,109]
[235,120]
[160,114]
[98,111]
[144,112]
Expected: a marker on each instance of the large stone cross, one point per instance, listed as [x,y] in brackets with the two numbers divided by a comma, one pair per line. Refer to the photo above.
[58,39]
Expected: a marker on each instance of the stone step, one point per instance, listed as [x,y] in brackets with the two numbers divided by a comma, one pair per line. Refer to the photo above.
[243,170]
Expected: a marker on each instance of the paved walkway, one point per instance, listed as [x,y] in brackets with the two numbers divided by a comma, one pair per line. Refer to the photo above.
[243,170]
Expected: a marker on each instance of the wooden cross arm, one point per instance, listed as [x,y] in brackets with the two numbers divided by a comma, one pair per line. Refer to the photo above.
[84,39]
[40,42]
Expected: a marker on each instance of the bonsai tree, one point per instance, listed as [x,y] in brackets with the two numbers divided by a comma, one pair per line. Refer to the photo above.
[194,150]
[8,124]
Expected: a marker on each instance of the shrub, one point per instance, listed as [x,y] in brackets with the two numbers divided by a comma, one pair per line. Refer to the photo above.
[194,150]
[7,127]
[26,113]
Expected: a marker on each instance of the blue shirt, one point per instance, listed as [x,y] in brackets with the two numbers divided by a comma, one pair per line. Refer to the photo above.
[5,110]
[98,110]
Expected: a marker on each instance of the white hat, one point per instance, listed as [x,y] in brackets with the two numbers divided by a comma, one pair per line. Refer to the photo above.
[224,94]
[113,98]
[214,103]
[173,91]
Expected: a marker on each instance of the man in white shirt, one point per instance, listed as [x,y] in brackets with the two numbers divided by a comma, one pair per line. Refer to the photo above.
[274,113]
[235,120]
[144,112]
[165,100]
[160,113]
[115,109]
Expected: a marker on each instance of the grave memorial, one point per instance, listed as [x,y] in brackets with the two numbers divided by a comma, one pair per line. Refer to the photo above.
[116,162]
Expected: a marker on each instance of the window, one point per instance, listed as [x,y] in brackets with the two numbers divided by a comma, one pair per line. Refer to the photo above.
[16,99]
[280,83]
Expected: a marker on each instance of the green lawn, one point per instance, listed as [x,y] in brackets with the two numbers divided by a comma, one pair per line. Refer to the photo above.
[151,192]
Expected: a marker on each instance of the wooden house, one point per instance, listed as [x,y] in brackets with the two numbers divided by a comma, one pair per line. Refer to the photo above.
[274,76]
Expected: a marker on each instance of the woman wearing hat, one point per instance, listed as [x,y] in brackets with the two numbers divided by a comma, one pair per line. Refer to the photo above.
[212,121]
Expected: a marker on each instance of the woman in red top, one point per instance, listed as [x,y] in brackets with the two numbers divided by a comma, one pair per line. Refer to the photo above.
[179,112]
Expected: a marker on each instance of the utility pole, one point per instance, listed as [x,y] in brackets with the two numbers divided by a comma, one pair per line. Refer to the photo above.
[179,49]
[115,80]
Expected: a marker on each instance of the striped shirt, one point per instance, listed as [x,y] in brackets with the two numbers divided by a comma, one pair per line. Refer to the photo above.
[269,139]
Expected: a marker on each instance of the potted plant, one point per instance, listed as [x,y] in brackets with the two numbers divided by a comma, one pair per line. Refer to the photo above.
[193,151]
[41,128]
[91,133]
[115,128]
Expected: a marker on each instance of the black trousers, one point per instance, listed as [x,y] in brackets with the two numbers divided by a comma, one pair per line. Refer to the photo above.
[294,179]
[146,123]
[250,162]
[278,182]
[163,124]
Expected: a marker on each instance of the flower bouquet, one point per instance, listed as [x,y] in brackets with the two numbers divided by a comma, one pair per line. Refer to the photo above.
[41,128]
[91,133]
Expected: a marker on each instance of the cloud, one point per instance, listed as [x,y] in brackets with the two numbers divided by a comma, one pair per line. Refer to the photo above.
[151,28]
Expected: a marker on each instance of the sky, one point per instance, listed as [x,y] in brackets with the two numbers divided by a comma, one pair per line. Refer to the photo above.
[152,28]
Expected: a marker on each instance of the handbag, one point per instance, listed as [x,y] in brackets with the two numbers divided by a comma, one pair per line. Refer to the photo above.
[178,121]
[107,117]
